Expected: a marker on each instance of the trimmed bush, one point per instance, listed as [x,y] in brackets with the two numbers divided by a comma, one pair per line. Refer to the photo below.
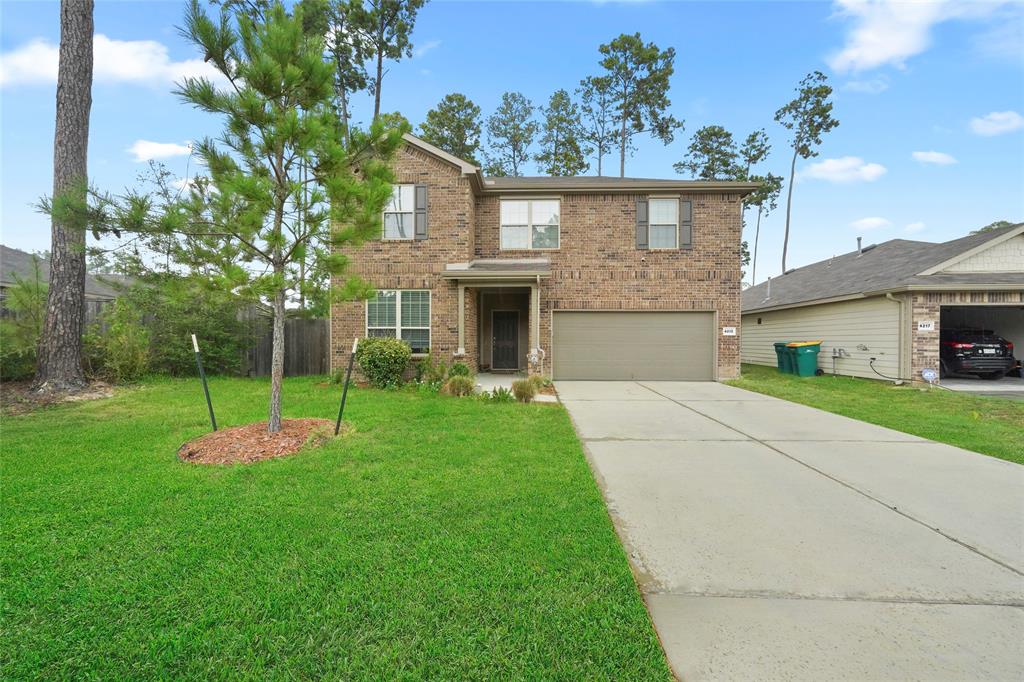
[383,361]
[459,385]
[523,390]
[459,369]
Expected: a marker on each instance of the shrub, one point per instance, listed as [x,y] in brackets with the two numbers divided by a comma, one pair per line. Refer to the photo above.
[459,385]
[500,395]
[430,371]
[121,353]
[459,369]
[523,390]
[20,331]
[383,361]
[537,381]
[175,307]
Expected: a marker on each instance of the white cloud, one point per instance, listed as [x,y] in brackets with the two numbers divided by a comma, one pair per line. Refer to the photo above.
[997,123]
[934,158]
[142,62]
[914,227]
[843,170]
[892,31]
[873,223]
[872,86]
[425,48]
[146,150]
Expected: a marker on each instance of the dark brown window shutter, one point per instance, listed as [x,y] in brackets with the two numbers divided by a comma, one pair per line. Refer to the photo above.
[685,224]
[641,224]
[421,212]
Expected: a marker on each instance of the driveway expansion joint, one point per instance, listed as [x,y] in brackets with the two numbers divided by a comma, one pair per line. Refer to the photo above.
[1012,603]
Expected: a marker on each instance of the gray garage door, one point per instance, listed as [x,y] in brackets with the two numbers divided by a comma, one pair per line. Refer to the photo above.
[634,345]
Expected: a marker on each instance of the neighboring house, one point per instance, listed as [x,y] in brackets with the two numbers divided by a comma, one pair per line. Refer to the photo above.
[578,277]
[889,302]
[100,290]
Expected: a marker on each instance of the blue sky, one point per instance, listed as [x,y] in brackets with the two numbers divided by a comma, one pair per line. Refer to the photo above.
[930,97]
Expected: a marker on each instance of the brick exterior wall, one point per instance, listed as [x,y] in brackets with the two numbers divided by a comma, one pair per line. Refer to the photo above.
[927,306]
[597,266]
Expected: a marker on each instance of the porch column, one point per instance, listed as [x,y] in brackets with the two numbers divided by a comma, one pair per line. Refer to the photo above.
[462,320]
[534,317]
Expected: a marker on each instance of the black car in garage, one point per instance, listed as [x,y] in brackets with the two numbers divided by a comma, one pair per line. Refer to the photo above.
[980,352]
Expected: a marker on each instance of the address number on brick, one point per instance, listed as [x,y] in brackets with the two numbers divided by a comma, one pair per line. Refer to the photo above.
[728,331]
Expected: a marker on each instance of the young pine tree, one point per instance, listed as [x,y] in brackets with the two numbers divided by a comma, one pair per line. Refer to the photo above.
[285,182]
[560,150]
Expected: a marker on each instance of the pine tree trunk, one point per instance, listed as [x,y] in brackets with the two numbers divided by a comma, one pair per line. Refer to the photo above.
[380,73]
[789,205]
[59,365]
[276,364]
[757,235]
[622,149]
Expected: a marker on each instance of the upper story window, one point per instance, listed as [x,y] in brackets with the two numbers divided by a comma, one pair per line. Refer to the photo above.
[529,224]
[398,213]
[401,314]
[664,223]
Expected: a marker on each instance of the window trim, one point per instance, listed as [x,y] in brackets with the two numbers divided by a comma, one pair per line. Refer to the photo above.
[650,223]
[398,318]
[411,213]
[529,224]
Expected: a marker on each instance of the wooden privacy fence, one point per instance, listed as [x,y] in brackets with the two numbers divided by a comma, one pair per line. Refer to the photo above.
[305,349]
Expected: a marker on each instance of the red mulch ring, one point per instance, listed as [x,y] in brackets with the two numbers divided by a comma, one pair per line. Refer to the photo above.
[251,443]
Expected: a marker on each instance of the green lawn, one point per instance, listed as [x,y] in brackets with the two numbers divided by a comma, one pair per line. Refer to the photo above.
[443,538]
[994,426]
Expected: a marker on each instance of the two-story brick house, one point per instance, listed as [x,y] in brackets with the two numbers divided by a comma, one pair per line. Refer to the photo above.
[578,277]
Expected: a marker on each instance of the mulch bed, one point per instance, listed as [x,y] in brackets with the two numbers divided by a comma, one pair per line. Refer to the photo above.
[251,443]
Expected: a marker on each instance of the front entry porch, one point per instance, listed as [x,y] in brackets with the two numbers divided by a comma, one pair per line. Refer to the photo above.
[507,307]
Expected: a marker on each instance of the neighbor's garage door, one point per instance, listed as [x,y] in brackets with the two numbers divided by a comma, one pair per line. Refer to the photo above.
[634,345]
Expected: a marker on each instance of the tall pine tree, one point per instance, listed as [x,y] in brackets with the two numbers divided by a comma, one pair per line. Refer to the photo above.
[560,150]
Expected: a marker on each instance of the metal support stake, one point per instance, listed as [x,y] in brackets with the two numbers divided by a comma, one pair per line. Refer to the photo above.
[344,391]
[202,375]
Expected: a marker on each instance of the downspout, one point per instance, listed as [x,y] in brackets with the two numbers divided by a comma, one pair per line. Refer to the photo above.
[904,331]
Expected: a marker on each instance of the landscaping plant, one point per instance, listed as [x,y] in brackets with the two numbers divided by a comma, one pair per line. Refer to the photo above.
[383,361]
[459,385]
[524,390]
[118,344]
[288,184]
[21,328]
[459,369]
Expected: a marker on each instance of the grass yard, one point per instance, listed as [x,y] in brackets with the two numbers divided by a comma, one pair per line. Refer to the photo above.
[993,426]
[443,538]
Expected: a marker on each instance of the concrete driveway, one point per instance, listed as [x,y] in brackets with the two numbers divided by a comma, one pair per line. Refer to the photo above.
[776,541]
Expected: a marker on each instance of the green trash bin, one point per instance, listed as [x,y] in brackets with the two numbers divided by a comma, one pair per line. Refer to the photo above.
[782,359]
[805,357]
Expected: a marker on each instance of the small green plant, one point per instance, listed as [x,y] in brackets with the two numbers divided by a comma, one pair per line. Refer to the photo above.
[537,381]
[120,353]
[20,330]
[524,390]
[383,361]
[459,385]
[459,369]
[501,395]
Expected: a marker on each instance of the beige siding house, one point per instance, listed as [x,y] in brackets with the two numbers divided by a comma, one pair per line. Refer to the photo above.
[880,311]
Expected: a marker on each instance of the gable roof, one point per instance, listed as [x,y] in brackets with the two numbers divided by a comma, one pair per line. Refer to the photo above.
[17,262]
[578,183]
[889,266]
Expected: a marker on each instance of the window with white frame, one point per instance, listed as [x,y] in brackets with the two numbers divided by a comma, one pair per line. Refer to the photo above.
[663,230]
[398,213]
[529,224]
[400,314]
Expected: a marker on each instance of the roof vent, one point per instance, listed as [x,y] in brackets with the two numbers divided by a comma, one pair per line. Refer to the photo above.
[768,295]
[869,247]
[789,271]
[859,250]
